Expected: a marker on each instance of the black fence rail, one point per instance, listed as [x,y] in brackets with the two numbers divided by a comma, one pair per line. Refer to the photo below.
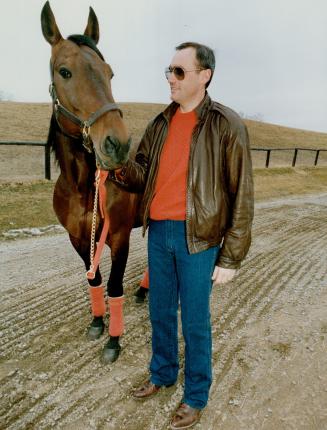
[47,150]
[296,151]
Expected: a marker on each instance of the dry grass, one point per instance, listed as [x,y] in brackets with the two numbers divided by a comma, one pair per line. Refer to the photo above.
[263,135]
[24,121]
[282,348]
[26,205]
[286,181]
[29,121]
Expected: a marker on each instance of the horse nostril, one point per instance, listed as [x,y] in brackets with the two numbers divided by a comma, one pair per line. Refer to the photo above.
[110,145]
[111,141]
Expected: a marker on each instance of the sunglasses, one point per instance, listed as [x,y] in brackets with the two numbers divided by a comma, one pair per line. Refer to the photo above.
[178,71]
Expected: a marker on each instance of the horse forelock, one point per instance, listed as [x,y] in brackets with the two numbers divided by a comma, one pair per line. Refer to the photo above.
[82,39]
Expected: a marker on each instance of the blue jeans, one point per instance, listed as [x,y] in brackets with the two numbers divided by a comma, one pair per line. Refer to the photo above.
[178,276]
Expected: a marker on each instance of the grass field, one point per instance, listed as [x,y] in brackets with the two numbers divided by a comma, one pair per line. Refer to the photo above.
[30,204]
[26,205]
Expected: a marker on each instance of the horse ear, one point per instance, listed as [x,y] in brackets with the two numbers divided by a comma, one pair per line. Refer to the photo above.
[92,28]
[50,29]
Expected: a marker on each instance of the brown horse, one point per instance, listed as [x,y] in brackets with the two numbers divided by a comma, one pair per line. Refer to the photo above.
[86,122]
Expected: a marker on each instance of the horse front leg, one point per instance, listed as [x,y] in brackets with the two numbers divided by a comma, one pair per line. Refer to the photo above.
[96,291]
[98,306]
[119,245]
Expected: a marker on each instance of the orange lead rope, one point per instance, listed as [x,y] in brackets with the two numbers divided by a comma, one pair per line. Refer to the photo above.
[101,193]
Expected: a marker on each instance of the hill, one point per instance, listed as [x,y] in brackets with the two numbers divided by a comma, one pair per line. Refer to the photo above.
[30,121]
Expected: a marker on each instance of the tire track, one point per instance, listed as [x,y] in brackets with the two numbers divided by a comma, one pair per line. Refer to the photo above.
[57,308]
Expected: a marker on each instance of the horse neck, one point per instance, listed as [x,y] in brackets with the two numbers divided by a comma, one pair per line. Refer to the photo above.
[77,166]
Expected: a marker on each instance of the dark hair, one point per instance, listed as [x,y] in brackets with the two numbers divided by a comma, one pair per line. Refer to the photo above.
[204,55]
[82,39]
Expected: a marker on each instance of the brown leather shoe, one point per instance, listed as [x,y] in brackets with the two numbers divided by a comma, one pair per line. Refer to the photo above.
[185,417]
[146,390]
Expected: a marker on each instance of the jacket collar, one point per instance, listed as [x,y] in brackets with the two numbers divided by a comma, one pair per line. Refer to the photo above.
[200,110]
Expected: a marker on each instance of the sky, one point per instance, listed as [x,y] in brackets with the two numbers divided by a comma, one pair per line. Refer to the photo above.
[271,56]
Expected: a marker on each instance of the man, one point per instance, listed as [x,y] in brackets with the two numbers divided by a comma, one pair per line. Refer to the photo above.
[194,167]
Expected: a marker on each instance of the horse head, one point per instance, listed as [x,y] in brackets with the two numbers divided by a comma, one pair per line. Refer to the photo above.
[81,91]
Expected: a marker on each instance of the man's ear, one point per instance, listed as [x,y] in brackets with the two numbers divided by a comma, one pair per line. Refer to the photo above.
[206,75]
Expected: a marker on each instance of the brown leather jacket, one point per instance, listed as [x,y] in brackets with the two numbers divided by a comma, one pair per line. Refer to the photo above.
[219,203]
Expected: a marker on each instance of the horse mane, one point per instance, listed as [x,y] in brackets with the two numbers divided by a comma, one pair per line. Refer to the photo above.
[51,141]
[82,39]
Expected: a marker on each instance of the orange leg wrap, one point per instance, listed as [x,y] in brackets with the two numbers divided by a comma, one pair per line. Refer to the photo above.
[116,322]
[145,280]
[98,304]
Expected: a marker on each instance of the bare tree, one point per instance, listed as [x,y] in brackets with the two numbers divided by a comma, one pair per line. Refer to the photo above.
[4,96]
[255,117]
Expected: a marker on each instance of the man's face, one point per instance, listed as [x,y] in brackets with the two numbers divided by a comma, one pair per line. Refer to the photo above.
[193,84]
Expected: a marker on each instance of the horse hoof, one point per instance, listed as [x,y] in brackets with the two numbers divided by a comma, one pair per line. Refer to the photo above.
[110,355]
[95,330]
[140,295]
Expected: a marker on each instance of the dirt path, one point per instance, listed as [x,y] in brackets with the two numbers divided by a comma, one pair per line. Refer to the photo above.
[270,331]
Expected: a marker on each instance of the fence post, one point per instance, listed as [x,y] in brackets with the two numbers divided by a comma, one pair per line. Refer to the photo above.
[268,157]
[47,167]
[294,157]
[317,155]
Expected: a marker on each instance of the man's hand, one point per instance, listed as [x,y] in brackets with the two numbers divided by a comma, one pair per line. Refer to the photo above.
[221,275]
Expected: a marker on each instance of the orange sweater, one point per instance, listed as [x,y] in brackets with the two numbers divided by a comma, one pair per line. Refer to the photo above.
[169,201]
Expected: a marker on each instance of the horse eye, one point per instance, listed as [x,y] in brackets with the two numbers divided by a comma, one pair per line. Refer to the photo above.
[65,73]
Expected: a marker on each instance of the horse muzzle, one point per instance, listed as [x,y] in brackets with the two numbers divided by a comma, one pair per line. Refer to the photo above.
[112,154]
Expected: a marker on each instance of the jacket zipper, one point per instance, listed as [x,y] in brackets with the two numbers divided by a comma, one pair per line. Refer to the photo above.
[153,179]
[188,217]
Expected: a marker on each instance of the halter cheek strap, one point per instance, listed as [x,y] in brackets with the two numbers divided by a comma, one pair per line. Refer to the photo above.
[85,125]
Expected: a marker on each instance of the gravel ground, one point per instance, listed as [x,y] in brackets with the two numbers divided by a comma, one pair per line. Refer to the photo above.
[269,335]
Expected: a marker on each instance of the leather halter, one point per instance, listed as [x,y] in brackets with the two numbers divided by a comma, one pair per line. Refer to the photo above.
[85,125]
